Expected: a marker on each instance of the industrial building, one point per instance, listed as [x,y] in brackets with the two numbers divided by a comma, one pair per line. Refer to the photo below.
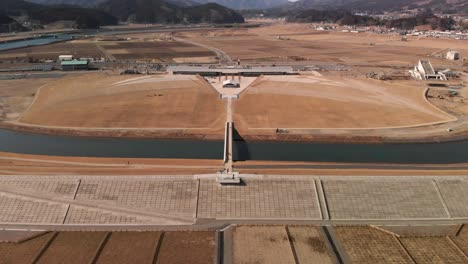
[75,65]
[425,71]
[221,71]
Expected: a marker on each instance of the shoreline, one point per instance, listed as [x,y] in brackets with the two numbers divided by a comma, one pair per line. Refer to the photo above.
[214,136]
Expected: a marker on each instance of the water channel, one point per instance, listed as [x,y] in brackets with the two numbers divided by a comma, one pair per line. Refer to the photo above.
[38,144]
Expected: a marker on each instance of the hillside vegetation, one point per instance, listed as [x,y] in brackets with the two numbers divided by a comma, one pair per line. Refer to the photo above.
[159,11]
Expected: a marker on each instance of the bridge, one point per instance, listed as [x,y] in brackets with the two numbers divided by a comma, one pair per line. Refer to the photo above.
[228,176]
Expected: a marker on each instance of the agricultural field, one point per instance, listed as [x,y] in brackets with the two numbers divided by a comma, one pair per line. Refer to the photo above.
[129,247]
[309,245]
[461,240]
[159,51]
[52,52]
[261,244]
[115,101]
[368,245]
[187,247]
[313,102]
[73,247]
[300,43]
[432,250]
[410,244]
[197,247]
[24,252]
[149,47]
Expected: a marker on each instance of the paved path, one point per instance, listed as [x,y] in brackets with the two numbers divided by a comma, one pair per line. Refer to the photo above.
[229,163]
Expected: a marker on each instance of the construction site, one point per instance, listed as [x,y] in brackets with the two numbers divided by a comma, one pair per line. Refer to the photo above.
[275,143]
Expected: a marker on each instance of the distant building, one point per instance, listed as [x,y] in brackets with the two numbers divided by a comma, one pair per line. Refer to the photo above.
[65,57]
[425,71]
[231,84]
[453,55]
[74,65]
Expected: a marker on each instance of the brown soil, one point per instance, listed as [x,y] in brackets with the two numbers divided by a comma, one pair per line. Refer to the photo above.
[369,245]
[11,163]
[73,247]
[24,252]
[17,95]
[78,49]
[187,247]
[309,245]
[300,43]
[102,101]
[432,250]
[261,244]
[129,247]
[321,102]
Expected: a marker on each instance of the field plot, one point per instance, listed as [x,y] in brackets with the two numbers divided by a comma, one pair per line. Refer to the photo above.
[76,48]
[103,101]
[262,245]
[461,240]
[187,247]
[129,247]
[194,247]
[167,51]
[432,250]
[309,245]
[24,252]
[332,102]
[73,247]
[300,43]
[368,245]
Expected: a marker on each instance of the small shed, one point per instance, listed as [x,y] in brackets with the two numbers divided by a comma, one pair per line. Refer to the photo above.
[74,65]
[231,84]
[453,55]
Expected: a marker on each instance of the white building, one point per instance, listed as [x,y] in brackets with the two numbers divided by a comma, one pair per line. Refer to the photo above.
[425,71]
[65,57]
[231,84]
[453,55]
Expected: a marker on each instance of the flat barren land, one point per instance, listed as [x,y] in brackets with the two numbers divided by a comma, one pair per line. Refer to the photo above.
[149,47]
[323,102]
[112,101]
[301,43]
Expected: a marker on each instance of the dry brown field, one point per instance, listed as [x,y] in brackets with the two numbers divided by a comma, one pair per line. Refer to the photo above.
[187,247]
[150,47]
[300,42]
[73,247]
[75,48]
[262,245]
[333,102]
[24,252]
[196,247]
[309,245]
[112,101]
[129,247]
[17,95]
[364,245]
[161,50]
[462,239]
